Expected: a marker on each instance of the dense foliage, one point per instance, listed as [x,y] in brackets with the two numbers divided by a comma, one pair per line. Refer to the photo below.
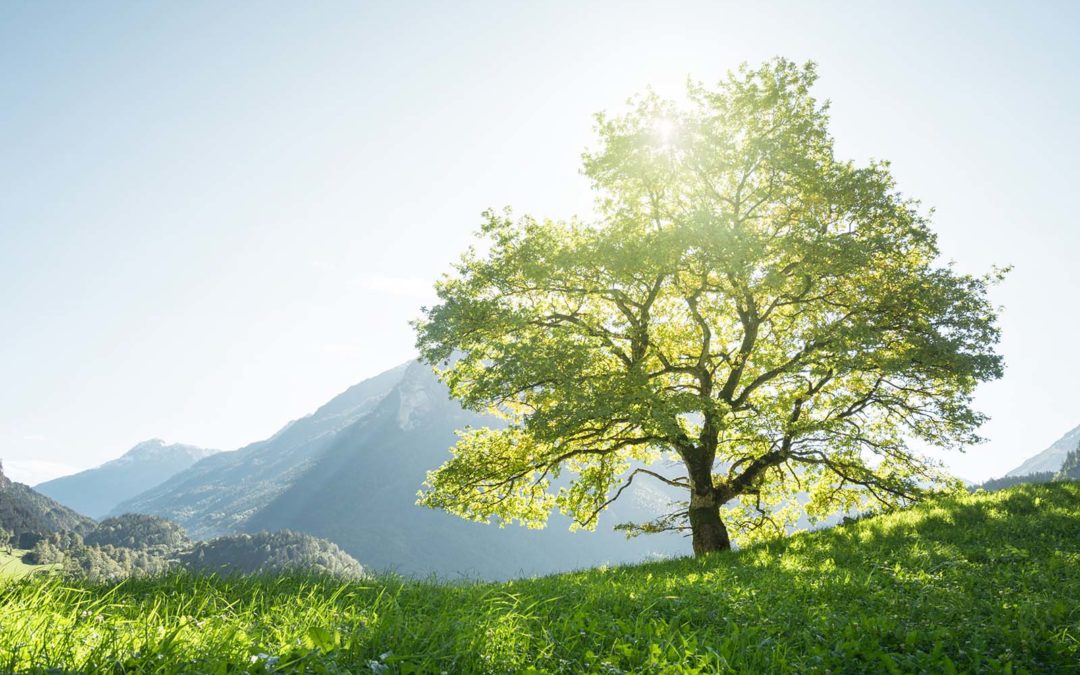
[974,583]
[265,552]
[135,545]
[138,531]
[112,563]
[767,316]
[114,554]
[98,562]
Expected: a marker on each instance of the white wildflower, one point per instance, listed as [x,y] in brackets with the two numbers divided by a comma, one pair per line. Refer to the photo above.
[378,667]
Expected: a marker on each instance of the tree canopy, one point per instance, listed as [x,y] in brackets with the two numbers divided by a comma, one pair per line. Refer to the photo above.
[746,306]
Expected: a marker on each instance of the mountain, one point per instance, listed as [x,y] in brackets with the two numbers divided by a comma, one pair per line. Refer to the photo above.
[350,473]
[218,494]
[1051,458]
[29,515]
[96,492]
[371,473]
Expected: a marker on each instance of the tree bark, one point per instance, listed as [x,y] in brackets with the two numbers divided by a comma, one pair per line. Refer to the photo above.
[708,530]
[709,534]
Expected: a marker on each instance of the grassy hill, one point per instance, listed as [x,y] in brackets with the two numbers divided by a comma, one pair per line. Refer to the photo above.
[979,583]
[12,566]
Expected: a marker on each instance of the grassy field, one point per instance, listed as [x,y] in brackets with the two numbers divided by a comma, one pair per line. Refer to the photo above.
[12,566]
[983,583]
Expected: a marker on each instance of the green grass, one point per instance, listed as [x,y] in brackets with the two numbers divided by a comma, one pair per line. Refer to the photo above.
[12,566]
[980,583]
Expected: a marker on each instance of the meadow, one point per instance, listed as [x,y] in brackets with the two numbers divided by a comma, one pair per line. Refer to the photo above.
[13,567]
[987,582]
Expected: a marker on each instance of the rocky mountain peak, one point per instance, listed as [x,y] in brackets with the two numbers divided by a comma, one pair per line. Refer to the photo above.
[155,449]
[414,396]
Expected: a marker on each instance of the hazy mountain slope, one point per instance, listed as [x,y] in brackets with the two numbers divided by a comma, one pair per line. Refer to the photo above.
[26,512]
[361,494]
[218,494]
[96,492]
[1052,458]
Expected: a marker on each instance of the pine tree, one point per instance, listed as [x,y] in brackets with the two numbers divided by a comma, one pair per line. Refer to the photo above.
[1070,470]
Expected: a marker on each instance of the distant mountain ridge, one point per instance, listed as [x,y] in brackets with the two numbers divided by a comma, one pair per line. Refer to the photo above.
[1050,459]
[350,473]
[96,492]
[218,494]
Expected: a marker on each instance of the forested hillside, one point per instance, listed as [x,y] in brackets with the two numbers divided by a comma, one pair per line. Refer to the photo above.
[266,552]
[140,545]
[138,531]
[28,516]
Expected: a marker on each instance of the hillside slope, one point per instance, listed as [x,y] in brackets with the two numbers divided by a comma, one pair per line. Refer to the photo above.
[350,473]
[96,492]
[361,494]
[986,582]
[27,513]
[217,495]
[12,565]
[1051,458]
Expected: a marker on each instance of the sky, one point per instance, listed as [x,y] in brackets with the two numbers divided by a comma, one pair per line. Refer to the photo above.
[216,216]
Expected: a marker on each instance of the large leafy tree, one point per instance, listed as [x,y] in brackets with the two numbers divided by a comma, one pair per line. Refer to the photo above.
[746,307]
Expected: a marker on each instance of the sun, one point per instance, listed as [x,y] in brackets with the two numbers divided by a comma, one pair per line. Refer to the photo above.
[664,128]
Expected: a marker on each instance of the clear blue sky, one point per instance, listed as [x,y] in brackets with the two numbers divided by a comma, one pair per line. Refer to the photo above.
[216,216]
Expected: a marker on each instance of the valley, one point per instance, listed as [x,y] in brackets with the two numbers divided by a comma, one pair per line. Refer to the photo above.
[729,338]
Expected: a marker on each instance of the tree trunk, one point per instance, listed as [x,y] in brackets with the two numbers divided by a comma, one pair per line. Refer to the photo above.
[708,531]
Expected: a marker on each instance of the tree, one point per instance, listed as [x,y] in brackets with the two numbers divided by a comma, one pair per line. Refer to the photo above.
[139,532]
[1070,468]
[6,537]
[766,315]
